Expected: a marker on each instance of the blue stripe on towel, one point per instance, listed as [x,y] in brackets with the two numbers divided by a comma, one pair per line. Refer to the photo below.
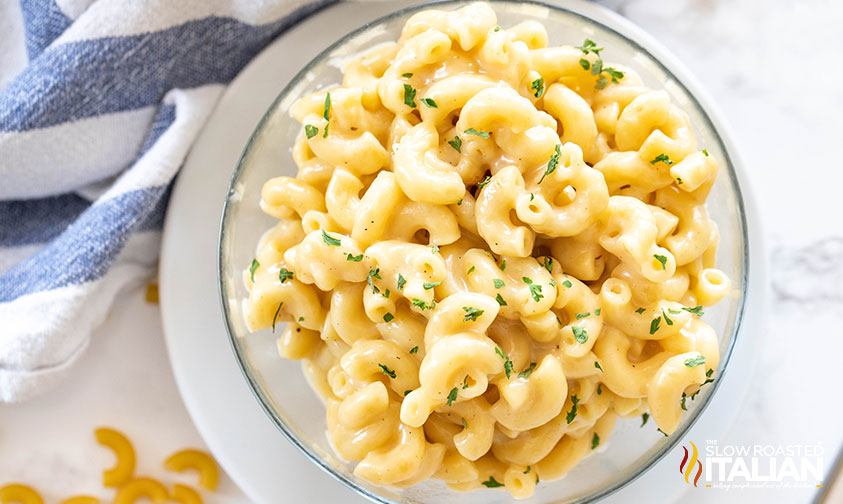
[43,22]
[27,222]
[86,249]
[92,77]
[165,116]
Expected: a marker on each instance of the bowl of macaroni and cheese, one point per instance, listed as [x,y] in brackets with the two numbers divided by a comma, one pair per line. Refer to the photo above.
[484,251]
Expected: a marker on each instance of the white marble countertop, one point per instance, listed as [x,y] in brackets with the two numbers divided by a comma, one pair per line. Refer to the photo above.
[767,65]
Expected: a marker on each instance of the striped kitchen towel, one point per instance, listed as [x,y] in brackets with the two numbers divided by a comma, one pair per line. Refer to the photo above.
[96,117]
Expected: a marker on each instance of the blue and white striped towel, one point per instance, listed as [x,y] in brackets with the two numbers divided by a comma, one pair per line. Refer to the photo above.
[93,130]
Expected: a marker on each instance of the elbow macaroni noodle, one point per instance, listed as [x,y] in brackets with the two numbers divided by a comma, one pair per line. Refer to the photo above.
[128,487]
[492,250]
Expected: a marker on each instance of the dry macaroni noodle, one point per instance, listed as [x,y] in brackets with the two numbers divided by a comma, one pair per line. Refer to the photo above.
[125,453]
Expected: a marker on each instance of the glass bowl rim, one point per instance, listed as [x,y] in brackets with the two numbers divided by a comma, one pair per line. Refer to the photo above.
[706,111]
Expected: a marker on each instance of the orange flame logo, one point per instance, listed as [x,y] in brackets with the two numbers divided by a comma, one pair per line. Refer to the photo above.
[690,464]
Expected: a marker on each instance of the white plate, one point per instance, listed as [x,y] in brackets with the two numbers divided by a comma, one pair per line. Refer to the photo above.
[240,435]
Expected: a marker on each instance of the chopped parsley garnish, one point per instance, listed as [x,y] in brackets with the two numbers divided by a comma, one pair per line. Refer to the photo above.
[682,403]
[507,363]
[456,143]
[388,317]
[327,108]
[589,46]
[678,180]
[481,185]
[500,299]
[567,283]
[553,282]
[597,312]
[373,273]
[666,318]
[353,258]
[654,324]
[644,418]
[310,131]
[552,163]
[252,268]
[674,312]
[527,372]
[459,202]
[582,315]
[663,432]
[532,196]
[697,310]
[481,134]
[421,304]
[664,158]
[573,413]
[696,361]
[527,470]
[409,96]
[465,382]
[388,372]
[452,396]
[708,378]
[580,333]
[497,28]
[430,102]
[464,423]
[407,75]
[705,152]
[401,281]
[330,240]
[435,248]
[415,349]
[548,264]
[284,274]
[325,134]
[430,285]
[662,259]
[301,319]
[639,311]
[407,392]
[498,283]
[599,387]
[275,317]
[470,271]
[492,483]
[595,441]
[537,86]
[535,289]
[597,67]
[597,365]
[471,313]
[503,264]
[615,75]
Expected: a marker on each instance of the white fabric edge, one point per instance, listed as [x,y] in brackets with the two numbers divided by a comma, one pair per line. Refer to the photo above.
[45,332]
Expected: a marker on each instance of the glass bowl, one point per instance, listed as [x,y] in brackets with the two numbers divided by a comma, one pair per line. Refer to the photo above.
[279,384]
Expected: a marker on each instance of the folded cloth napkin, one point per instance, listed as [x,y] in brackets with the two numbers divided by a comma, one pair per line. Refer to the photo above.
[92,133]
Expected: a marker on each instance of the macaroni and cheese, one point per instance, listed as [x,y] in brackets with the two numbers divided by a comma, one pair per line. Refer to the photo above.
[493,249]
